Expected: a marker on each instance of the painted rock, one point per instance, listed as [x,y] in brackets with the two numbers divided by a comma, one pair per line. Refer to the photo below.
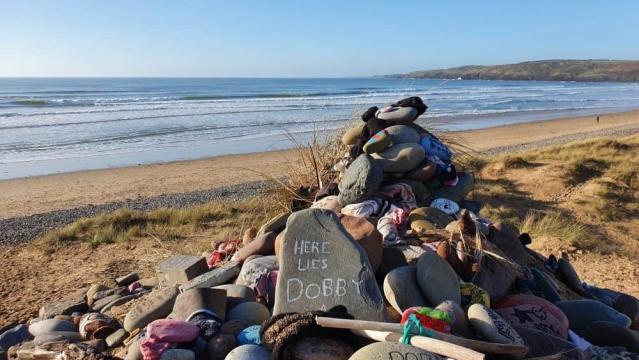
[236,294]
[365,234]
[491,326]
[353,134]
[402,134]
[312,348]
[581,313]
[219,346]
[249,352]
[51,325]
[321,266]
[392,350]
[249,335]
[533,312]
[437,280]
[362,179]
[400,158]
[377,143]
[542,344]
[155,305]
[460,323]
[396,114]
[127,279]
[251,312]
[401,289]
[603,333]
[251,270]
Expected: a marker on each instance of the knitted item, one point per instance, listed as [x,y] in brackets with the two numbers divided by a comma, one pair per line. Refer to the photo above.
[434,319]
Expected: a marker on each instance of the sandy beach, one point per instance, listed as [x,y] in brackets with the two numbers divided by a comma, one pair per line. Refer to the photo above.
[27,196]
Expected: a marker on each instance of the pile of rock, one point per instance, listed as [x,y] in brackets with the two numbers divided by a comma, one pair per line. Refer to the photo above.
[389,247]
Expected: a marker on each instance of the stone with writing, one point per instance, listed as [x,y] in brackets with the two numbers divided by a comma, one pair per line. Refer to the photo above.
[321,266]
[393,351]
[492,327]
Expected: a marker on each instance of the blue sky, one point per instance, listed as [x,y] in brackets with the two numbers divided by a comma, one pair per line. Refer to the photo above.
[302,38]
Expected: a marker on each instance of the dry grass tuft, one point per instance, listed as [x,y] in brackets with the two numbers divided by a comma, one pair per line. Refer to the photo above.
[562,227]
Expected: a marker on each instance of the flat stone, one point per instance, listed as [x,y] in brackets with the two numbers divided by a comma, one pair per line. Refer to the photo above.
[402,134]
[400,158]
[13,336]
[197,299]
[437,280]
[179,269]
[321,266]
[392,351]
[353,134]
[74,302]
[122,300]
[460,323]
[264,244]
[401,289]
[250,312]
[276,224]
[116,338]
[312,348]
[153,306]
[603,333]
[99,304]
[215,277]
[177,354]
[150,282]
[365,234]
[51,325]
[330,202]
[249,352]
[55,336]
[236,294]
[422,173]
[252,270]
[542,344]
[362,179]
[491,326]
[533,312]
[397,114]
[94,289]
[219,346]
[133,352]
[127,279]
[581,313]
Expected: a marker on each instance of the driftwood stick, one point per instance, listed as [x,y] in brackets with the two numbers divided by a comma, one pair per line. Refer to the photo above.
[481,346]
[433,345]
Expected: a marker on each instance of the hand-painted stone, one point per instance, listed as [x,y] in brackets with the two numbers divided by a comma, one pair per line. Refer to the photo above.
[321,266]
[393,351]
[491,326]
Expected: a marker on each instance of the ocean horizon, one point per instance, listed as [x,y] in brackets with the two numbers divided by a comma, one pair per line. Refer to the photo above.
[52,125]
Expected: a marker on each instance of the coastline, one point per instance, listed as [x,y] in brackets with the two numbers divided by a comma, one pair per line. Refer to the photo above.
[42,194]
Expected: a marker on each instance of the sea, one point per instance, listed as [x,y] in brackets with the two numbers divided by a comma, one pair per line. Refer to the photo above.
[53,125]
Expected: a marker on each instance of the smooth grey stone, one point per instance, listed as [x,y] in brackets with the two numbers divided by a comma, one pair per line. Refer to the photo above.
[116,338]
[157,304]
[252,270]
[400,158]
[491,326]
[458,192]
[393,351]
[362,179]
[99,304]
[401,289]
[321,266]
[55,336]
[133,352]
[197,299]
[236,294]
[15,335]
[437,279]
[603,333]
[249,352]
[398,114]
[310,348]
[179,269]
[76,301]
[402,134]
[581,313]
[542,344]
[251,312]
[51,325]
[217,276]
[177,354]
[122,300]
[127,279]
[460,323]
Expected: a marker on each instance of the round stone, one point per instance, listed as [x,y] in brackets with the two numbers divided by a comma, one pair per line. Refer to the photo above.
[402,134]
[491,326]
[56,336]
[251,312]
[392,350]
[233,327]
[249,352]
[401,289]
[219,346]
[353,134]
[362,179]
[311,348]
[51,325]
[400,158]
[236,294]
[437,280]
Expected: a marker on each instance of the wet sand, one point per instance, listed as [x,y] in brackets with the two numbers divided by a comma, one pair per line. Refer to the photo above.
[27,196]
